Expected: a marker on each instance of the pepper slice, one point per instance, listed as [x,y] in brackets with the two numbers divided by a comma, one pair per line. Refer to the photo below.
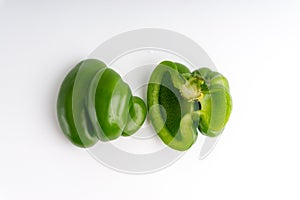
[94,103]
[179,102]
[72,114]
[112,107]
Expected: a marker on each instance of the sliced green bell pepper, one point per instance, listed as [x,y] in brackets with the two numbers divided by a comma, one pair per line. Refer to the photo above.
[115,111]
[179,102]
[94,103]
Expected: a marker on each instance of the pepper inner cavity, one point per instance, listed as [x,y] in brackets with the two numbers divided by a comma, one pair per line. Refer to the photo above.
[169,97]
[192,89]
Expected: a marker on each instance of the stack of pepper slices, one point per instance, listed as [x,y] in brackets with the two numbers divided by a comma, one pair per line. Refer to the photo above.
[94,103]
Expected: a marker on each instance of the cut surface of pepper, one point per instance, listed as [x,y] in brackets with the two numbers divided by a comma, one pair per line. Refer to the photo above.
[180,101]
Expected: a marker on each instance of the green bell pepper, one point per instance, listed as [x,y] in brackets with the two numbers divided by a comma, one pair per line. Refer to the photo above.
[179,102]
[94,103]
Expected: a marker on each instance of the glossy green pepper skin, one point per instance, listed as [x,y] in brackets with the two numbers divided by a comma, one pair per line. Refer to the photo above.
[94,103]
[115,111]
[179,102]
[72,114]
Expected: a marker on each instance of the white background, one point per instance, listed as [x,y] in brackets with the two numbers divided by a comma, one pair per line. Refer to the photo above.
[256,44]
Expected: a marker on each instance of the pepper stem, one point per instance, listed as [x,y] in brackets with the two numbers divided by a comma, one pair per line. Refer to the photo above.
[191,90]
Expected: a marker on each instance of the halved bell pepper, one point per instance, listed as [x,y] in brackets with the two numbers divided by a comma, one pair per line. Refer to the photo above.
[179,102]
[94,103]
